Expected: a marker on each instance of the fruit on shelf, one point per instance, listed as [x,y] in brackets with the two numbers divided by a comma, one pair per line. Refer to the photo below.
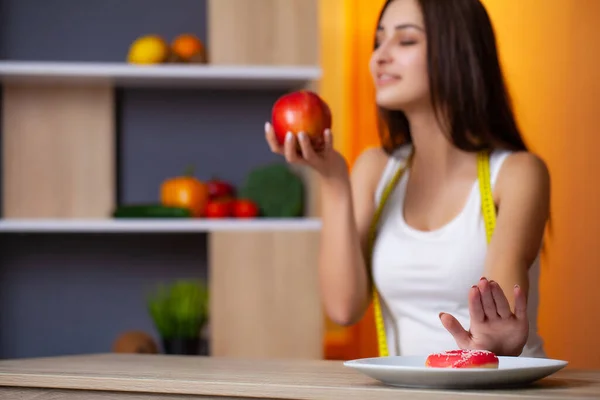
[150,211]
[301,111]
[218,189]
[185,191]
[148,49]
[135,342]
[276,190]
[220,208]
[231,208]
[188,48]
[245,208]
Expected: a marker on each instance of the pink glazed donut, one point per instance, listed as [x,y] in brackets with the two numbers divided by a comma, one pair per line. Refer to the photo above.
[462,359]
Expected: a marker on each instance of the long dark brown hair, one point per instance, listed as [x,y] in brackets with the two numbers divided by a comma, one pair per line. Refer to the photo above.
[465,79]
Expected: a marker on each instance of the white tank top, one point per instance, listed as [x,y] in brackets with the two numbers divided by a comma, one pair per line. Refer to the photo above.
[420,274]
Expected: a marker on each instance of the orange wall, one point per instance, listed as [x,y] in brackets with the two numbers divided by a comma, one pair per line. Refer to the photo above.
[551,56]
[347,32]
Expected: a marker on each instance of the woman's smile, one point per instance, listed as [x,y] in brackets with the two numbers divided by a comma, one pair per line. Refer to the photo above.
[385,79]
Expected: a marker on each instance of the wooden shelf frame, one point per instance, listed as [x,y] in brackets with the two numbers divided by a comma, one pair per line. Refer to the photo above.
[59,170]
[256,77]
[136,225]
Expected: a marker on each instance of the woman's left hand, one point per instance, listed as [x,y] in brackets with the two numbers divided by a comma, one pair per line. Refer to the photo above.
[494,326]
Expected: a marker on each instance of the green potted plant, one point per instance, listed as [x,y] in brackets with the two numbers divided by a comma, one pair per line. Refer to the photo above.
[180,311]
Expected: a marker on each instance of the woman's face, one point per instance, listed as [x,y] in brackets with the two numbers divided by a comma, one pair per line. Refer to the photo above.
[399,62]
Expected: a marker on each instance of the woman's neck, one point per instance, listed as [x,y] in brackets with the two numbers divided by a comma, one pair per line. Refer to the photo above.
[434,154]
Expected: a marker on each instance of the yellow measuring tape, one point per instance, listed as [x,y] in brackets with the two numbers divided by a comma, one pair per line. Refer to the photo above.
[489,216]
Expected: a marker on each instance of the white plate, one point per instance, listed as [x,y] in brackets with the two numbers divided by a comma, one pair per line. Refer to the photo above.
[410,371]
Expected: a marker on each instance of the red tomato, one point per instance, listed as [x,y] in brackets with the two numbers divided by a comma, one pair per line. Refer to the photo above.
[243,208]
[219,209]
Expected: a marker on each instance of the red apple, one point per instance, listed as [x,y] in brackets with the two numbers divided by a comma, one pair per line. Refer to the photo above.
[301,111]
[218,189]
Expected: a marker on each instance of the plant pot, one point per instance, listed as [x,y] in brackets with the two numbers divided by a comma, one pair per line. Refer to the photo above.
[185,346]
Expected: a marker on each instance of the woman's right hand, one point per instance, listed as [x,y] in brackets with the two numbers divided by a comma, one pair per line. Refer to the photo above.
[330,164]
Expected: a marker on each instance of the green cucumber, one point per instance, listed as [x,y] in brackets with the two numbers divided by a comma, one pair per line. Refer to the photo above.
[151,211]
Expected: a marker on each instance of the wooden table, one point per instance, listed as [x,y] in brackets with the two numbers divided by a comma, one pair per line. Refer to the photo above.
[161,377]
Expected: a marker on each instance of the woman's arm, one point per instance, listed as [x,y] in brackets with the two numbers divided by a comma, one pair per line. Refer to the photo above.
[523,198]
[498,303]
[347,211]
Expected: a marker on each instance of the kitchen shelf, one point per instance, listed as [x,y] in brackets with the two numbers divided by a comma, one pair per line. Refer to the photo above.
[157,225]
[161,75]
[63,115]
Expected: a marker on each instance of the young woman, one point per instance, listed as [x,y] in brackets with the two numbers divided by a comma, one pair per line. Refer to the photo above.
[442,100]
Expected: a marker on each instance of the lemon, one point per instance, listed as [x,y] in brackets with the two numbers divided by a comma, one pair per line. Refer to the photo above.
[148,49]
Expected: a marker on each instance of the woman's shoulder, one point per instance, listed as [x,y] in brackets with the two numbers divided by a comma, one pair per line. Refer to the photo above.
[368,166]
[374,167]
[512,163]
[373,161]
[522,170]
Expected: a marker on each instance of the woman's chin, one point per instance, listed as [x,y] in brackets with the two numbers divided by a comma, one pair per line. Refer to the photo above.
[390,105]
[389,101]
[398,103]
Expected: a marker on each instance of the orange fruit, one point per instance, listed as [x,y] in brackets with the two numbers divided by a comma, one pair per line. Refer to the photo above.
[185,191]
[187,47]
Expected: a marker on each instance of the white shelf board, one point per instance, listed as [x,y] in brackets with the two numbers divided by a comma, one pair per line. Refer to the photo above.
[160,75]
[157,225]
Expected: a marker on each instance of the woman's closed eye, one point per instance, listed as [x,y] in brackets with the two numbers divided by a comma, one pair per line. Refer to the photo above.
[407,40]
[402,42]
